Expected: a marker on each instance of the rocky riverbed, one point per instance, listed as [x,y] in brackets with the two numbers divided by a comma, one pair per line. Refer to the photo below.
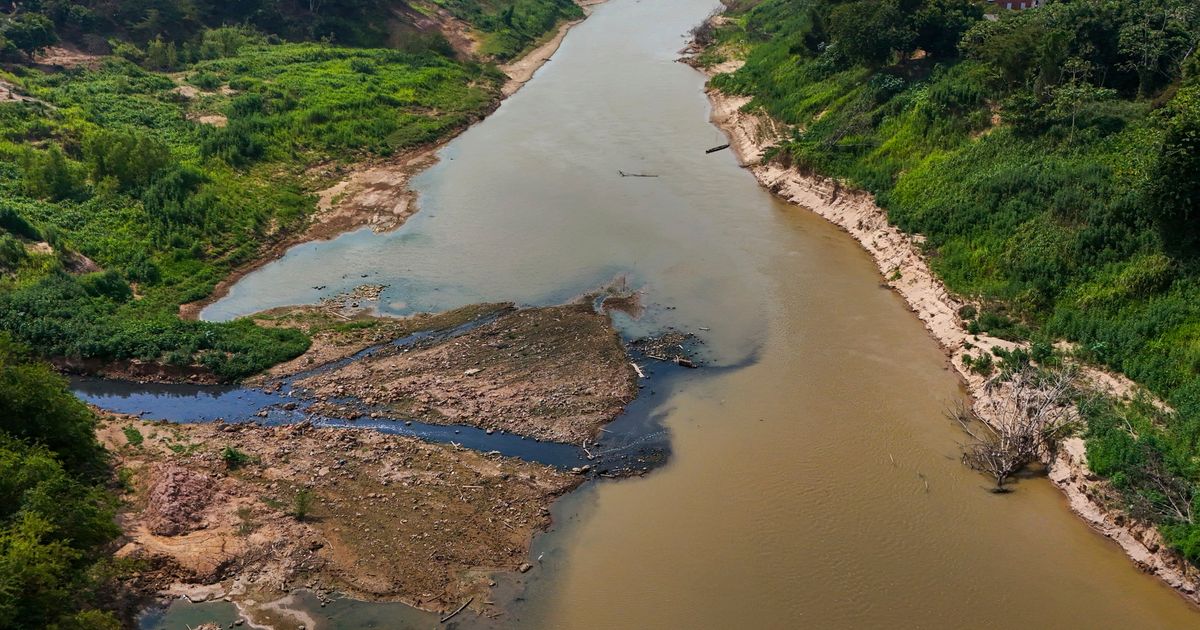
[252,510]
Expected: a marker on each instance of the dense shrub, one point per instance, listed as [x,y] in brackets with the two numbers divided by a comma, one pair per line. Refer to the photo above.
[55,516]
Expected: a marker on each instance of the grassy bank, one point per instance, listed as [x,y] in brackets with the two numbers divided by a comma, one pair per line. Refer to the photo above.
[135,182]
[114,164]
[1049,159]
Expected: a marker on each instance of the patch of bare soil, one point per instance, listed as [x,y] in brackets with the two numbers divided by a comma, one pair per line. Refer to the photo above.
[10,92]
[553,373]
[187,91]
[67,57]
[137,370]
[216,120]
[391,517]
[431,17]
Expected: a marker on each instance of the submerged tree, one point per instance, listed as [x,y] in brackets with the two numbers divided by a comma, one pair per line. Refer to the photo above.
[1029,410]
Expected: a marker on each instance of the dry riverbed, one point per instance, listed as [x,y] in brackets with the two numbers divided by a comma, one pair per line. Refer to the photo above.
[555,373]
[392,517]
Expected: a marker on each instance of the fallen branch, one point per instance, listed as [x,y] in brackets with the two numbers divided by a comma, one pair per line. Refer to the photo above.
[717,148]
[624,174]
[460,609]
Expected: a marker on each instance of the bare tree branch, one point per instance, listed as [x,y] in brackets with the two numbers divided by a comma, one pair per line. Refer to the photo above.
[1026,414]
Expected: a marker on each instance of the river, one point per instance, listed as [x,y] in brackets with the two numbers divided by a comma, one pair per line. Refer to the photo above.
[815,485]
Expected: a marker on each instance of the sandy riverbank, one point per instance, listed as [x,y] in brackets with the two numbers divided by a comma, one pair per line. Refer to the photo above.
[905,270]
[376,194]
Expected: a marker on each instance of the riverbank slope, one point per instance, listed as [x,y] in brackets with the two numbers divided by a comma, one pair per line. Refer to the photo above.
[906,270]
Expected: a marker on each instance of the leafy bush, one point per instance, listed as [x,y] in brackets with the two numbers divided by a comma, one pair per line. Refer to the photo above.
[132,159]
[234,458]
[55,516]
[50,175]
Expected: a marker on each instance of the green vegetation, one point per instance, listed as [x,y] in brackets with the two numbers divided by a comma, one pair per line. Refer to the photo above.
[165,30]
[55,515]
[1050,157]
[133,436]
[302,503]
[511,28]
[113,168]
[234,458]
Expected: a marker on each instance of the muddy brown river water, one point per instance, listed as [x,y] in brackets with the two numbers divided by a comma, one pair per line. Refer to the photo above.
[815,485]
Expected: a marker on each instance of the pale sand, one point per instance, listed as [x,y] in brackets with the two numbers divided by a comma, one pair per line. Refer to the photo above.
[521,70]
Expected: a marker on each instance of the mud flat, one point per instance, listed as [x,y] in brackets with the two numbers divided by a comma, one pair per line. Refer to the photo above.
[906,271]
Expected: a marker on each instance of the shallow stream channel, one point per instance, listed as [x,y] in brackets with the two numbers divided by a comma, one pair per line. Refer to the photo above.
[813,478]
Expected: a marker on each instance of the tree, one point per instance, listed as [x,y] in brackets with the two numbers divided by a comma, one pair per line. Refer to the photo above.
[1176,187]
[48,175]
[1027,413]
[1076,93]
[869,32]
[161,55]
[30,32]
[1158,38]
[131,159]
[940,25]
[35,405]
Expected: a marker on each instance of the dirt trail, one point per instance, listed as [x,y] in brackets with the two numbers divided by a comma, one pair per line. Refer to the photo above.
[905,269]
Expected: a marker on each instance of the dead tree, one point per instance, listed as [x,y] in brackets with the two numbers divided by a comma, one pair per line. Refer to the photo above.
[705,33]
[1023,417]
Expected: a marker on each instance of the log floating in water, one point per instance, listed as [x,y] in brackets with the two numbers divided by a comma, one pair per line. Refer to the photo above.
[717,148]
[624,174]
